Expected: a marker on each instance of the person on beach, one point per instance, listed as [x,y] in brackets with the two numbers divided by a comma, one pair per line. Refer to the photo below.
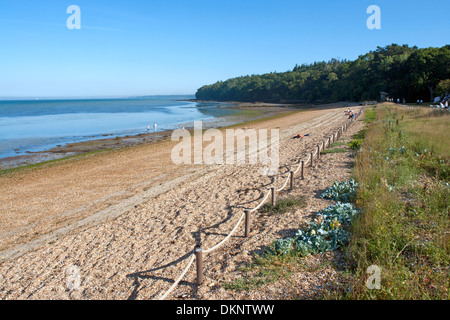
[148,128]
[300,136]
[155,126]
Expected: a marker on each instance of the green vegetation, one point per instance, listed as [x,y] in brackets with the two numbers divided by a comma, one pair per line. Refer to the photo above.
[328,233]
[397,217]
[262,271]
[49,163]
[341,191]
[283,205]
[335,150]
[401,71]
[355,145]
[404,194]
[337,144]
[369,116]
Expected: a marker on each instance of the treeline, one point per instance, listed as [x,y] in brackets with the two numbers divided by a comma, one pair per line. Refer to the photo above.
[399,71]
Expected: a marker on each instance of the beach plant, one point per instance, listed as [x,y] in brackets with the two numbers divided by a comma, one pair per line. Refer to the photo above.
[328,233]
[355,145]
[344,191]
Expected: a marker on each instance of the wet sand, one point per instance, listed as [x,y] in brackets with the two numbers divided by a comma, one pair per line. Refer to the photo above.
[108,143]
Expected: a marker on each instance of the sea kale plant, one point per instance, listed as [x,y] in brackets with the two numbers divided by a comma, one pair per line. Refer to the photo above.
[327,233]
[344,191]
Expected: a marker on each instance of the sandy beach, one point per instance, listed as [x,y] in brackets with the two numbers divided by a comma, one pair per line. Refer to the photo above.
[127,218]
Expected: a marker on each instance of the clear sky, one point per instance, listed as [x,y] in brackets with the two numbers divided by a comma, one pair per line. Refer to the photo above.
[137,47]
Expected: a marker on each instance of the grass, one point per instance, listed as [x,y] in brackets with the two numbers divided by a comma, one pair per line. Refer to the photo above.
[404,229]
[262,271]
[283,205]
[335,150]
[338,144]
[247,113]
[370,115]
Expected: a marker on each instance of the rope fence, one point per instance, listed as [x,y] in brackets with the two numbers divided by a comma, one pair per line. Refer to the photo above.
[198,253]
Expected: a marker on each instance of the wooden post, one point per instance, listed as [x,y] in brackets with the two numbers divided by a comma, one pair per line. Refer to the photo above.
[274,197]
[323,145]
[303,170]
[199,256]
[312,159]
[247,223]
[292,179]
[318,152]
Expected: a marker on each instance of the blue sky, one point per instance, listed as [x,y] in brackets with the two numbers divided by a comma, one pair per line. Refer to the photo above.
[136,47]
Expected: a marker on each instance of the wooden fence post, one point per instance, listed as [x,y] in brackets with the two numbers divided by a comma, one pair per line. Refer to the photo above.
[303,170]
[312,159]
[292,179]
[274,197]
[247,223]
[199,256]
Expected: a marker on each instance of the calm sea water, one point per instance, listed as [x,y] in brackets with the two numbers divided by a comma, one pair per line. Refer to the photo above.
[37,125]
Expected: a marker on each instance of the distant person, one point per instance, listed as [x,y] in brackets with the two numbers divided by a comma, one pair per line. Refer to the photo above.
[155,126]
[148,128]
[421,101]
[300,136]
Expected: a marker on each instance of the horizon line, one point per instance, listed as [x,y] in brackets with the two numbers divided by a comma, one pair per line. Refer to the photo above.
[34,98]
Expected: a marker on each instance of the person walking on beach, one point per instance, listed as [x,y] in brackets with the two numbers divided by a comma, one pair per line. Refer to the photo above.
[148,128]
[155,126]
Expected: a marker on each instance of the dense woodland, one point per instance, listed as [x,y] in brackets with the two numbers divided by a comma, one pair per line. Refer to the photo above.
[400,71]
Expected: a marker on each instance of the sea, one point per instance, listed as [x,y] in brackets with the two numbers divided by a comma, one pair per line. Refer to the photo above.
[28,126]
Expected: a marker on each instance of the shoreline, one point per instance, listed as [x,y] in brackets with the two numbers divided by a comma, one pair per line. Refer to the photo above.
[245,112]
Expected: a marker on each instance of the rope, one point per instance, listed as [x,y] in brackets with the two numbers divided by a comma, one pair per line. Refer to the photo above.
[229,235]
[309,158]
[262,202]
[285,183]
[179,278]
[299,166]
